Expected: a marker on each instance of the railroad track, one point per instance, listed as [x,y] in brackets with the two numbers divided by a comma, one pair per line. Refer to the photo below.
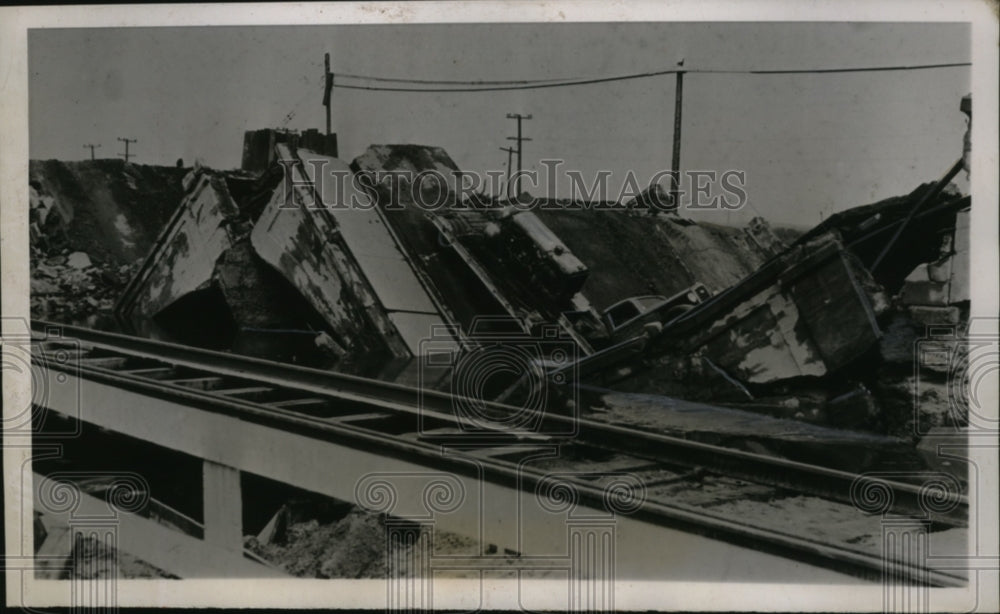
[412,423]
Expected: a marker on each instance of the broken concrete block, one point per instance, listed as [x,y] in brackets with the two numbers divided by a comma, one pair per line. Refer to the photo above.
[276,528]
[78,260]
[41,286]
[925,292]
[927,314]
[940,271]
[327,344]
[919,274]
[960,270]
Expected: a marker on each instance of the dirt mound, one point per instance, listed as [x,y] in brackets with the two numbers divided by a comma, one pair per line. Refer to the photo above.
[352,547]
[312,539]
[632,254]
[110,210]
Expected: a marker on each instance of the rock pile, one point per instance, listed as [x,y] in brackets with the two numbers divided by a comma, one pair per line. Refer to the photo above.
[73,288]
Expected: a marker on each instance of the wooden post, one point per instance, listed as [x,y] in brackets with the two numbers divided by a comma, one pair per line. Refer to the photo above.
[327,91]
[510,160]
[223,506]
[675,161]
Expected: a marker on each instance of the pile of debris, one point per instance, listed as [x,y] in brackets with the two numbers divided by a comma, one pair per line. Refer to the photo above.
[90,223]
[70,287]
[316,537]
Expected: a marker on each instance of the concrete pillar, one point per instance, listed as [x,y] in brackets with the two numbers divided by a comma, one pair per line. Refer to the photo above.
[223,504]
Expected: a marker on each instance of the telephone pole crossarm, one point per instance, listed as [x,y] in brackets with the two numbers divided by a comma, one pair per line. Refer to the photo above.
[127,155]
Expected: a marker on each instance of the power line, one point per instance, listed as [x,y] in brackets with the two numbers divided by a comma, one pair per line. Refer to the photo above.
[476,86]
[446,81]
[527,86]
[836,70]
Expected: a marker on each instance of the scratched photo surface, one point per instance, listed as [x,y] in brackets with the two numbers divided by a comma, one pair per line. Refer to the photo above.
[574,302]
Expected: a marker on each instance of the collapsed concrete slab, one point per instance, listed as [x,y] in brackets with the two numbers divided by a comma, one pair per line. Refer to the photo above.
[412,159]
[182,260]
[202,285]
[346,263]
[812,311]
[807,313]
[485,261]
[378,278]
[273,272]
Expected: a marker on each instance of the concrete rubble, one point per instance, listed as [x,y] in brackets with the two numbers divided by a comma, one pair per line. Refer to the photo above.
[89,224]
[273,261]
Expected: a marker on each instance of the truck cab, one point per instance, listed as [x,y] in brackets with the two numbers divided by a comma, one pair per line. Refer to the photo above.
[630,317]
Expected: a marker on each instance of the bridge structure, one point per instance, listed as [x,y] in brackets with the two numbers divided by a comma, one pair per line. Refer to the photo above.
[410,455]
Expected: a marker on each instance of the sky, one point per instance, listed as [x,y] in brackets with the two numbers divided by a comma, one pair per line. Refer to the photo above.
[809,144]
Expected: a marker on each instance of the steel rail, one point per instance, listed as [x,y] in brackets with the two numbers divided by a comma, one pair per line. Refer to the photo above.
[936,504]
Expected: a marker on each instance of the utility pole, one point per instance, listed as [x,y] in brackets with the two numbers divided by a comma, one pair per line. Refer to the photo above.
[327,90]
[92,147]
[127,155]
[520,148]
[675,162]
[510,153]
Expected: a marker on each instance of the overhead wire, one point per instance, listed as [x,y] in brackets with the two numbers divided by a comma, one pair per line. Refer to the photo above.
[526,84]
[447,81]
